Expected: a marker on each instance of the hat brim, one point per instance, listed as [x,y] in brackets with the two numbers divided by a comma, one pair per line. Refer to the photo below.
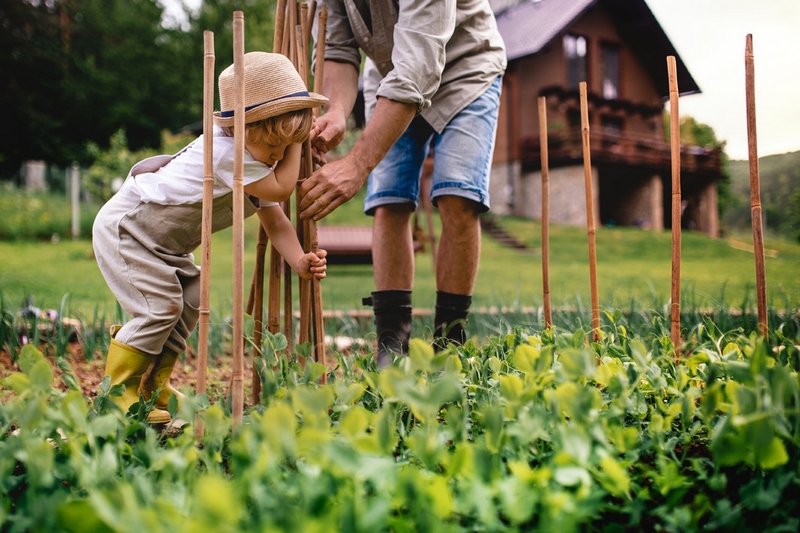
[273,109]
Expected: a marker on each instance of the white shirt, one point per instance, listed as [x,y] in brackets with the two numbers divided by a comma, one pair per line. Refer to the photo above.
[180,181]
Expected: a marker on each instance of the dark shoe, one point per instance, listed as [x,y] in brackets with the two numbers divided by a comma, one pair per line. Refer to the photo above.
[450,319]
[392,323]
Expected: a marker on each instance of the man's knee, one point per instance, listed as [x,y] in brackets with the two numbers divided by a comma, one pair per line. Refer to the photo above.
[458,210]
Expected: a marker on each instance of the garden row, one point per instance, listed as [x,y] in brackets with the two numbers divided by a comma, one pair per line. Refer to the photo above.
[529,429]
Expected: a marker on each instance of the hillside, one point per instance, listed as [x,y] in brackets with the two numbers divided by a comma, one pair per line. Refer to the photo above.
[780,193]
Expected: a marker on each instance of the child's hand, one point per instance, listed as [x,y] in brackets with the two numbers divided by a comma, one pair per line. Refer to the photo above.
[312,265]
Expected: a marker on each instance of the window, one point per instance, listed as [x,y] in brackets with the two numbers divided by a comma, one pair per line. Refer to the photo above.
[609,70]
[575,49]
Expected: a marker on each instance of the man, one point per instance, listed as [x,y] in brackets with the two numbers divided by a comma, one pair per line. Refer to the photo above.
[434,79]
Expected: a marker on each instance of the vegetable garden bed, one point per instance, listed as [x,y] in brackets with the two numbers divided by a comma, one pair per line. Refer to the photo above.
[526,430]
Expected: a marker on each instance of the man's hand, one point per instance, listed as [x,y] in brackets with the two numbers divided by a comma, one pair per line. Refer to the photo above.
[328,132]
[329,187]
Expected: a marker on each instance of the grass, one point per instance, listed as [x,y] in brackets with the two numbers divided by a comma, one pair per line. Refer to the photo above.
[633,265]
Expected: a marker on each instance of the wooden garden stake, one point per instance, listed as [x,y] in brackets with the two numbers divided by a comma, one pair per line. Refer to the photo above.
[316,289]
[316,286]
[590,224]
[675,143]
[208,198]
[548,313]
[237,402]
[280,18]
[755,187]
[255,307]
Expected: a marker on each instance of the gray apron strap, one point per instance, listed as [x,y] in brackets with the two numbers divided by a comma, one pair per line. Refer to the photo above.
[379,42]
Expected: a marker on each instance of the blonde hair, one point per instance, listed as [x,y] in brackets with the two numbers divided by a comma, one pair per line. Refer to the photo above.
[291,127]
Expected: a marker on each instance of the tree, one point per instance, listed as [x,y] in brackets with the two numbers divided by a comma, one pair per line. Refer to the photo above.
[73,72]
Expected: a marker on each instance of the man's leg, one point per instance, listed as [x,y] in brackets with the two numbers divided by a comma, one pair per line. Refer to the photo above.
[456,267]
[393,263]
[393,247]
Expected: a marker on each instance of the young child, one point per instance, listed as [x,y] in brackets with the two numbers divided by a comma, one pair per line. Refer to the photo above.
[144,236]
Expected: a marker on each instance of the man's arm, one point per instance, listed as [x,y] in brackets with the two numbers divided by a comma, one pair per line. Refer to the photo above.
[337,182]
[340,85]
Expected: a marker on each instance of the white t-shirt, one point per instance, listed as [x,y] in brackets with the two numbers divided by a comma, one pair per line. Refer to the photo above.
[181,180]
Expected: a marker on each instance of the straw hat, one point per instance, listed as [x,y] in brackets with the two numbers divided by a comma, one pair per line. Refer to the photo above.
[272,86]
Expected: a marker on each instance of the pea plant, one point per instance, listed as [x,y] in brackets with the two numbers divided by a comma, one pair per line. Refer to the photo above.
[531,430]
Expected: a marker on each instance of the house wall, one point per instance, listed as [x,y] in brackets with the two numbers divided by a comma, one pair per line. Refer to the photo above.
[567,193]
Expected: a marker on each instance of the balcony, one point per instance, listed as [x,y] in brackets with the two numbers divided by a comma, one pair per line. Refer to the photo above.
[611,146]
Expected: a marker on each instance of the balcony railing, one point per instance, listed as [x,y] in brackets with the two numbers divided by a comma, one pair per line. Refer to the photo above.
[608,145]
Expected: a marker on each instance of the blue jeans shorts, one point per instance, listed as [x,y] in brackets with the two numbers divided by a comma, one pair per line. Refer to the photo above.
[462,158]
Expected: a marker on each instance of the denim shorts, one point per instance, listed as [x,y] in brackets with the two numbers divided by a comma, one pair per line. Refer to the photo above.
[462,157]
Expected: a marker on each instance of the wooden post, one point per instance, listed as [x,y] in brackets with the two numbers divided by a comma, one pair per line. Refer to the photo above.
[316,286]
[755,187]
[75,196]
[237,401]
[675,143]
[548,312]
[316,289]
[208,199]
[256,307]
[590,224]
[280,20]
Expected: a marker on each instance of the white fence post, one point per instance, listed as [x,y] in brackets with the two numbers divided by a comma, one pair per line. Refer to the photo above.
[75,190]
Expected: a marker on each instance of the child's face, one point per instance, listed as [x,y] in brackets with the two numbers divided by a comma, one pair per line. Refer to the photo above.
[267,154]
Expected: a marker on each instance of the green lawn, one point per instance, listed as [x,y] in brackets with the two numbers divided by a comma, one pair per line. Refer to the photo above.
[632,264]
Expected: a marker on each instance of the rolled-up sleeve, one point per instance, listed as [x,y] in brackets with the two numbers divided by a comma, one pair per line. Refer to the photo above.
[420,36]
[340,44]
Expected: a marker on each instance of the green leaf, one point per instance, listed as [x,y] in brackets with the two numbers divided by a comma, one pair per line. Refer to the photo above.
[773,456]
[354,422]
[578,363]
[421,355]
[614,478]
[29,355]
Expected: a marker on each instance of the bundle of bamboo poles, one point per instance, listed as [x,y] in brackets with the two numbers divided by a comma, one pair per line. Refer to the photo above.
[293,24]
[293,44]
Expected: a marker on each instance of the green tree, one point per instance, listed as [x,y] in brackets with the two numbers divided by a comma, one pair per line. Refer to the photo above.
[73,72]
[695,133]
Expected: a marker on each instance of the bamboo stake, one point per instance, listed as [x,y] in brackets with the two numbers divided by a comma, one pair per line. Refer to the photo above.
[590,224]
[312,12]
[257,309]
[675,143]
[316,290]
[280,18]
[306,308]
[548,312]
[208,194]
[237,402]
[319,325]
[303,22]
[755,187]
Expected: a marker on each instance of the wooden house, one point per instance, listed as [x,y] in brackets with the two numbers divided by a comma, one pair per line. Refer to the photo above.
[618,48]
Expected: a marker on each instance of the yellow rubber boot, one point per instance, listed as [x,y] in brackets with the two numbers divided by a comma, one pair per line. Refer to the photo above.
[160,378]
[125,365]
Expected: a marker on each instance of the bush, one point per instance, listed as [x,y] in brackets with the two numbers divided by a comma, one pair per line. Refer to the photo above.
[40,215]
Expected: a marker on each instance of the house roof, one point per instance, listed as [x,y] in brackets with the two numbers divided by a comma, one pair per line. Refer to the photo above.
[528,26]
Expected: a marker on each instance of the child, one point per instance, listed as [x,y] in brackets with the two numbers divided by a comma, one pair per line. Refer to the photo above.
[144,236]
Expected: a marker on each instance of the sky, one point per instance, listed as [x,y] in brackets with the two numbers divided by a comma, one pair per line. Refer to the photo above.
[709,36]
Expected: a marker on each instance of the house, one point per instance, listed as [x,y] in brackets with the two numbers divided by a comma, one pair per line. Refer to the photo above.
[618,48]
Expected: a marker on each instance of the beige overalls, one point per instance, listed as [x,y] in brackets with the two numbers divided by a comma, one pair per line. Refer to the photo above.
[144,251]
